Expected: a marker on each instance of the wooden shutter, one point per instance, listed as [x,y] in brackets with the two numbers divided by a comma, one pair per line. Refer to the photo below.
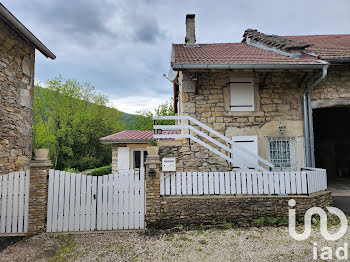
[123,158]
[242,96]
[248,142]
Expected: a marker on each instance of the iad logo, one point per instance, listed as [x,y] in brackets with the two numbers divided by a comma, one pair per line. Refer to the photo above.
[326,251]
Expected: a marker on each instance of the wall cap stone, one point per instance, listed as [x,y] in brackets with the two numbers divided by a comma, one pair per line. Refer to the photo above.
[40,163]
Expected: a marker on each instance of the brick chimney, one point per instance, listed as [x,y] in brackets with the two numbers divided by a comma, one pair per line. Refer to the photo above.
[190,30]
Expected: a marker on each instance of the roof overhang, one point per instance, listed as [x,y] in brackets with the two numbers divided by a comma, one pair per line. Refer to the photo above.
[179,67]
[12,21]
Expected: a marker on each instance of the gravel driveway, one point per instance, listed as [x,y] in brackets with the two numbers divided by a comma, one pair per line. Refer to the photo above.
[233,244]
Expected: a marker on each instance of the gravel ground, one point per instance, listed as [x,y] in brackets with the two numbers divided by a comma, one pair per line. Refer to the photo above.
[233,244]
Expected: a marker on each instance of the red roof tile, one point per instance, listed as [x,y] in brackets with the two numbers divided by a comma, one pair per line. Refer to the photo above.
[231,53]
[133,136]
[326,46]
[129,135]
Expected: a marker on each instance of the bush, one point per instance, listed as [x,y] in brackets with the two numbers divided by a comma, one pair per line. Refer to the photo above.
[101,171]
[87,162]
[71,170]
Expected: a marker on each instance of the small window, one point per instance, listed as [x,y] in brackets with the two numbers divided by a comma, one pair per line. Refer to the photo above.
[242,96]
[139,158]
[281,152]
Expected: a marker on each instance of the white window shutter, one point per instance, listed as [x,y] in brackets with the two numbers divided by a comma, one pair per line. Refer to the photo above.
[123,158]
[242,96]
[248,142]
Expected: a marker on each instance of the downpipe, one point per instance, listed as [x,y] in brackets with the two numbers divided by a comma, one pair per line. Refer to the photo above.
[308,121]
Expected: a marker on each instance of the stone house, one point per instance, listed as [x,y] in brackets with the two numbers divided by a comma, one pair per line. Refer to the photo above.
[282,98]
[285,98]
[17,59]
[129,148]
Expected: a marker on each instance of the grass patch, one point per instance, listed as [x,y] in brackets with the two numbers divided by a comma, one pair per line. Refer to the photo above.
[67,250]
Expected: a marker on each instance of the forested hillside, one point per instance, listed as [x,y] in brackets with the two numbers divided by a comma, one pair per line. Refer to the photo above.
[70,117]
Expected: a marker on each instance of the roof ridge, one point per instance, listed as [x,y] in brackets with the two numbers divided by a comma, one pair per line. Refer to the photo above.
[317,35]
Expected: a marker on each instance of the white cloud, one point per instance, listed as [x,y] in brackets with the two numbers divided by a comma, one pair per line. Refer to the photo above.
[133,104]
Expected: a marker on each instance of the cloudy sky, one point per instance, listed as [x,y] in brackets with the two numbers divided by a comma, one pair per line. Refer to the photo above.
[123,47]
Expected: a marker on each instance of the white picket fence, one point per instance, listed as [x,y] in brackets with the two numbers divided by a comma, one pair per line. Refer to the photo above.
[247,182]
[14,202]
[79,202]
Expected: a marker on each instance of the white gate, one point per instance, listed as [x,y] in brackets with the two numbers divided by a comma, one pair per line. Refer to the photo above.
[14,202]
[79,202]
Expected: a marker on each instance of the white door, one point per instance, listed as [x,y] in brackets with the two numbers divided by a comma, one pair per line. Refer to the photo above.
[123,158]
[248,142]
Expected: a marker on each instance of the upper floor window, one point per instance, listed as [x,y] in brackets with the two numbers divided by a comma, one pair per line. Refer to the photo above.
[281,152]
[242,95]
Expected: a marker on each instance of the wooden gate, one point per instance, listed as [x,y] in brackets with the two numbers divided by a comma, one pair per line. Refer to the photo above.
[14,202]
[79,202]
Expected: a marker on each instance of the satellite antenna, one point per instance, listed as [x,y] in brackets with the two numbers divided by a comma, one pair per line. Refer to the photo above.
[171,75]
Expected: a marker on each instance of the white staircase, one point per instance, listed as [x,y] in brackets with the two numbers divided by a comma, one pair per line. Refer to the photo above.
[237,155]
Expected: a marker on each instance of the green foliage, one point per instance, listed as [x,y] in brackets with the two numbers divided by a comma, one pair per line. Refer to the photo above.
[153,143]
[144,119]
[71,170]
[260,221]
[101,171]
[69,119]
[272,220]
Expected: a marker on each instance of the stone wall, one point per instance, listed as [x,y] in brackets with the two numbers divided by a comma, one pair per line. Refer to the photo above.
[334,90]
[196,210]
[278,96]
[17,57]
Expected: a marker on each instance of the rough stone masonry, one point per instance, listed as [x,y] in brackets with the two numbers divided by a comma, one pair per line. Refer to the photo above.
[17,57]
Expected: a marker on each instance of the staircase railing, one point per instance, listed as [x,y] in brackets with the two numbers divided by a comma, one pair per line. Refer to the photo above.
[237,159]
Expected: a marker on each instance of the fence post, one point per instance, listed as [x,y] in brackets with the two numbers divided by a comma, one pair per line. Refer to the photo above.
[38,194]
[152,175]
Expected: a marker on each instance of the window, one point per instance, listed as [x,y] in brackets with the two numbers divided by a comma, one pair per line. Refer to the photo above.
[281,152]
[138,158]
[242,95]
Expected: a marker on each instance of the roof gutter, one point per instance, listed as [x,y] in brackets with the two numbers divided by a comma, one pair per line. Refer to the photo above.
[338,60]
[21,29]
[308,122]
[246,66]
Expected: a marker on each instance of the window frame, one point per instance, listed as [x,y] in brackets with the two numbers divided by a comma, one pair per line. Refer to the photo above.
[142,156]
[292,157]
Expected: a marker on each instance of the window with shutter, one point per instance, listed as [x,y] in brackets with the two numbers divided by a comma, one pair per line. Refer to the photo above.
[242,96]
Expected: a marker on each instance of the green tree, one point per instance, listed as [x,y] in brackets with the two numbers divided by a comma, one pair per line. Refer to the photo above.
[144,119]
[69,119]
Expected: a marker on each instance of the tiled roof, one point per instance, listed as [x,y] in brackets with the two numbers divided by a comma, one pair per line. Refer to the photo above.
[133,136]
[130,135]
[231,53]
[326,46]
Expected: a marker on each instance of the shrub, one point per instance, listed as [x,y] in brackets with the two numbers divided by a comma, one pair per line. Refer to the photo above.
[71,170]
[101,171]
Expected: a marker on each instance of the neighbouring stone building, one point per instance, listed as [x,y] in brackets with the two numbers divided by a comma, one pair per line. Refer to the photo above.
[17,59]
